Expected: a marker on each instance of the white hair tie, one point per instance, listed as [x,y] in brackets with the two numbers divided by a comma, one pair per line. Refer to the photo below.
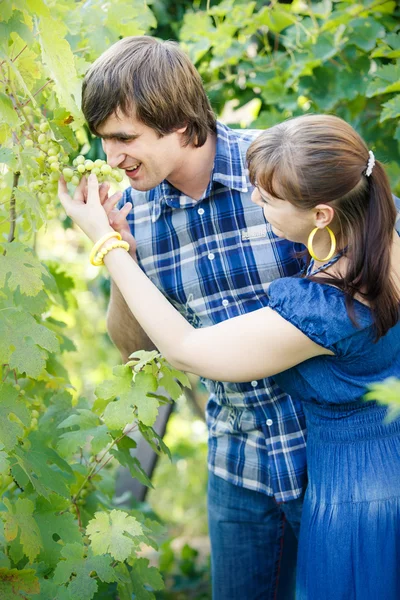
[370,164]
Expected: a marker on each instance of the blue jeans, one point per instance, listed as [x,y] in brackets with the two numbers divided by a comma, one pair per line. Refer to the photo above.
[253,549]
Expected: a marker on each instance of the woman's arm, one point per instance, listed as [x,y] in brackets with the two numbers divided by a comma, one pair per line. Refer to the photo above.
[251,346]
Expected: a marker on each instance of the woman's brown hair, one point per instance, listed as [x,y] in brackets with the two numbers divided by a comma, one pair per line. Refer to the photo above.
[153,80]
[320,159]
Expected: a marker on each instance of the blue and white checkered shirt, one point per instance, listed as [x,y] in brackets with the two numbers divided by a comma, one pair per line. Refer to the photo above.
[214,259]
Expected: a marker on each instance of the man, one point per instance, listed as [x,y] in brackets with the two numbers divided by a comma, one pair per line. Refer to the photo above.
[202,241]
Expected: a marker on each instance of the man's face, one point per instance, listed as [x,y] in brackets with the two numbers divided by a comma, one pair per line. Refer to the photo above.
[146,158]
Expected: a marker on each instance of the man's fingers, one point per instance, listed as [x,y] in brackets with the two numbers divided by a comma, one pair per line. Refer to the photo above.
[110,203]
[119,218]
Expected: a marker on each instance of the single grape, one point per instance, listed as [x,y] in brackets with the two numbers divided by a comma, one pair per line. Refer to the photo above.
[106,169]
[68,174]
[89,164]
[55,175]
[81,168]
[75,180]
[42,138]
[35,414]
[28,143]
[96,170]
[52,151]
[44,146]
[44,127]
[52,159]
[98,162]
[55,166]
[80,159]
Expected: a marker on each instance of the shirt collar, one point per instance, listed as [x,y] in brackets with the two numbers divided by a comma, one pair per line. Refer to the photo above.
[229,170]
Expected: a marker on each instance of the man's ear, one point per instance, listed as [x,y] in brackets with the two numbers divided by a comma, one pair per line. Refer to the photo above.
[323,215]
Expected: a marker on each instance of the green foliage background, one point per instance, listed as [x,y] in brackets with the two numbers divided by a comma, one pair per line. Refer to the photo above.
[261,63]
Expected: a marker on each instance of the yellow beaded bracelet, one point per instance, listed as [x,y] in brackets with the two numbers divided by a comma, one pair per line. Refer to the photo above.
[99,258]
[100,242]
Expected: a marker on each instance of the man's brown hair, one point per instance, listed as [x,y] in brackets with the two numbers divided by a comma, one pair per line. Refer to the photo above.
[153,80]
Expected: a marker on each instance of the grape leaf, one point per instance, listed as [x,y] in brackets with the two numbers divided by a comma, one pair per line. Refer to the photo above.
[23,520]
[53,526]
[114,533]
[23,268]
[391,109]
[386,79]
[124,457]
[26,339]
[9,404]
[43,467]
[142,575]
[7,112]
[64,282]
[57,56]
[89,427]
[15,583]
[82,586]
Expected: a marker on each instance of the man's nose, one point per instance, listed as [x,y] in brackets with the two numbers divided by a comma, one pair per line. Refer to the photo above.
[115,156]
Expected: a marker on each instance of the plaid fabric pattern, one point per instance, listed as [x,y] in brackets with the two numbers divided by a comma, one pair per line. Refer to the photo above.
[214,259]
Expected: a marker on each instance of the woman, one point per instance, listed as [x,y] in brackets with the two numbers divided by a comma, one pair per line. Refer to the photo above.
[325,336]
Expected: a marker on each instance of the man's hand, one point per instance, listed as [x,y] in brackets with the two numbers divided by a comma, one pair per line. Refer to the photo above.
[117,218]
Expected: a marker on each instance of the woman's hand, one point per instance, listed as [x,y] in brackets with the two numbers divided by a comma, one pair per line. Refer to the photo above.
[92,209]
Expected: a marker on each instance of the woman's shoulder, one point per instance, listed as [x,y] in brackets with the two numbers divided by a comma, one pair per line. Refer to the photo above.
[318,309]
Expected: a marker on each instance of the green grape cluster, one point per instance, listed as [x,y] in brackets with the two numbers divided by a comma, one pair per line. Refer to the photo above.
[84,166]
[50,160]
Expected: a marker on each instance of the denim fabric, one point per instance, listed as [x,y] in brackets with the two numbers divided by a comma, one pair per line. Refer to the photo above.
[253,543]
[349,547]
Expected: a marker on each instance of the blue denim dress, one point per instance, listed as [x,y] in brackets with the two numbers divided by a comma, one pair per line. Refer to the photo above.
[349,547]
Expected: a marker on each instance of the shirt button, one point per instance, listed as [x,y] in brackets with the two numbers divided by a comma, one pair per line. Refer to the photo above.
[211,256]
[254,383]
[225,302]
[201,211]
[269,421]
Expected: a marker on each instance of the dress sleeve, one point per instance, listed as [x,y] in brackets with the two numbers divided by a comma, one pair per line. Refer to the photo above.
[318,310]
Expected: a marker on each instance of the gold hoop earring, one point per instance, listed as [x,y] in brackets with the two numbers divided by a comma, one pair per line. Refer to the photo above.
[331,251]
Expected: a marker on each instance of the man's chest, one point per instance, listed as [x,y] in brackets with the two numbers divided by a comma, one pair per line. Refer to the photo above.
[214,260]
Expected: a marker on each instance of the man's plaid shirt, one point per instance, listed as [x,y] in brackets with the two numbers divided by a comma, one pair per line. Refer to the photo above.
[214,259]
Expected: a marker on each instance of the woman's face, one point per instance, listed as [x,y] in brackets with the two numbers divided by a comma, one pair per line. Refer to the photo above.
[287,221]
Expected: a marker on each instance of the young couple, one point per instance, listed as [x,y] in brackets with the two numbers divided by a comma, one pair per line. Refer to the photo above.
[213,277]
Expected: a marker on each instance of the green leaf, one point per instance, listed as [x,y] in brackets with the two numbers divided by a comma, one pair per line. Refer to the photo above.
[23,521]
[89,427]
[140,358]
[44,468]
[391,109]
[124,457]
[7,112]
[10,431]
[64,282]
[365,33]
[59,60]
[114,533]
[26,342]
[276,17]
[54,526]
[22,268]
[79,571]
[8,157]
[141,572]
[16,583]
[386,392]
[386,80]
